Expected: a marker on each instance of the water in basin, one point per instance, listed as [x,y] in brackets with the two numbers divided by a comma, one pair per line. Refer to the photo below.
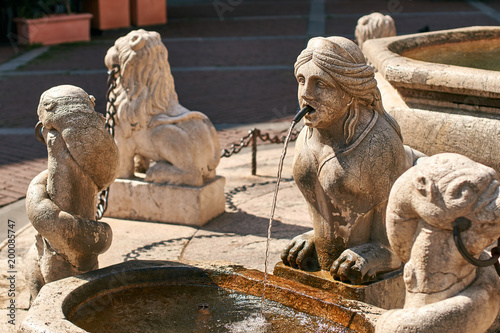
[481,54]
[192,308]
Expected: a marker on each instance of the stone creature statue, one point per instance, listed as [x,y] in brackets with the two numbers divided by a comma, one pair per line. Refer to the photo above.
[151,124]
[444,292]
[374,25]
[61,201]
[346,159]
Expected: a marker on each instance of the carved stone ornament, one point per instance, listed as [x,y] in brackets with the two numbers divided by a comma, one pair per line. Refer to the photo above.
[61,201]
[151,125]
[374,25]
[347,157]
[444,292]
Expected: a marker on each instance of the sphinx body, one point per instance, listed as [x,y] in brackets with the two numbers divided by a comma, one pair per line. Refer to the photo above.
[61,201]
[444,292]
[151,125]
[347,157]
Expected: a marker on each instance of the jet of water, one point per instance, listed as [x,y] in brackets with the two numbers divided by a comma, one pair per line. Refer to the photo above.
[296,119]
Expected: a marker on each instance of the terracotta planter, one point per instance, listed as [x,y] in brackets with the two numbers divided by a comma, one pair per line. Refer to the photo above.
[108,14]
[54,29]
[148,12]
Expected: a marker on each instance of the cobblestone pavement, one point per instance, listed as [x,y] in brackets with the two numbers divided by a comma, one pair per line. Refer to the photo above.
[235,65]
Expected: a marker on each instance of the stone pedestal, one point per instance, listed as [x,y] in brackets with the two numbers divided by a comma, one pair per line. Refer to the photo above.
[186,205]
[388,293]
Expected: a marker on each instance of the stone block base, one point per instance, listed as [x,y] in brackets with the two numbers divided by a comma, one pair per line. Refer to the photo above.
[388,293]
[139,200]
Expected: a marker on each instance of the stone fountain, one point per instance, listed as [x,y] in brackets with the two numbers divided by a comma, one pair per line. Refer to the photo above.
[375,205]
[79,304]
[443,103]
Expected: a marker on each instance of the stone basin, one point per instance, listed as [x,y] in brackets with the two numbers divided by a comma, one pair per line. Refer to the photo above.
[85,298]
[441,105]
[411,64]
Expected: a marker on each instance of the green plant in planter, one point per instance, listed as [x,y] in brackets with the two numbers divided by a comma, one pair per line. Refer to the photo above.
[40,8]
[51,22]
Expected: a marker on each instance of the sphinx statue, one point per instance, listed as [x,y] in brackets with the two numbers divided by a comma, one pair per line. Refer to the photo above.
[61,201]
[444,292]
[348,156]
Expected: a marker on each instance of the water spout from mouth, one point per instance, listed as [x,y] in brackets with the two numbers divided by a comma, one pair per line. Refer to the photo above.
[302,113]
[296,119]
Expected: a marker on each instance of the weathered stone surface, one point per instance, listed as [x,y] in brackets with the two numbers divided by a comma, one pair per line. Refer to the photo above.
[51,312]
[435,84]
[374,25]
[444,292]
[61,201]
[440,108]
[150,122]
[187,205]
[347,157]
[444,130]
[388,293]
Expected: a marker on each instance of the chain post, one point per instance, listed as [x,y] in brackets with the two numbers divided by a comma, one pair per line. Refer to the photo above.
[102,203]
[255,134]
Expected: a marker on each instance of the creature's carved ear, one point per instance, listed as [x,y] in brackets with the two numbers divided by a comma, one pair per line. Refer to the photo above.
[137,42]
[92,100]
[49,103]
[423,185]
[461,193]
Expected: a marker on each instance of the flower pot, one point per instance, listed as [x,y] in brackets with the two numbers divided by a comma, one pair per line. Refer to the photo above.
[108,14]
[54,29]
[148,12]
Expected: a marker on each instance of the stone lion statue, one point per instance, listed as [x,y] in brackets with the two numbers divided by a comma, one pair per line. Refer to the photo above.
[444,292]
[151,124]
[374,25]
[61,201]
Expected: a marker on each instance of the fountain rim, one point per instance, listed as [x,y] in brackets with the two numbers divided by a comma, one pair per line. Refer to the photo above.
[400,71]
[56,300]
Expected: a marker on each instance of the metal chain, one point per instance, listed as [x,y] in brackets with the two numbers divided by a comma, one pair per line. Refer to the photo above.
[462,224]
[102,204]
[236,147]
[252,135]
[230,195]
[279,139]
[251,139]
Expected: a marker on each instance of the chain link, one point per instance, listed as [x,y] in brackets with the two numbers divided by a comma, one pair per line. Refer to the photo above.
[462,224]
[102,204]
[278,139]
[236,147]
[254,134]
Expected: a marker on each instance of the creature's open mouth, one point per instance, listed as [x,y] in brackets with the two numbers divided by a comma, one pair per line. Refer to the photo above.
[313,110]
[307,109]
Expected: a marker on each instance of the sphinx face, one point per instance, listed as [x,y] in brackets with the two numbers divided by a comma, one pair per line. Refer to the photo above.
[318,90]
